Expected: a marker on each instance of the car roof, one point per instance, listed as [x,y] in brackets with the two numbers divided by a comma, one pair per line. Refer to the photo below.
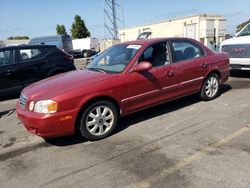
[154,40]
[24,46]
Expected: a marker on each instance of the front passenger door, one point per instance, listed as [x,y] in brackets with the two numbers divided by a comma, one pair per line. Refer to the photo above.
[151,87]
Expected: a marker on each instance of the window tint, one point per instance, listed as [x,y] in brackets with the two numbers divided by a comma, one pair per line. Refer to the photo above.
[32,54]
[245,32]
[114,59]
[6,57]
[156,54]
[184,50]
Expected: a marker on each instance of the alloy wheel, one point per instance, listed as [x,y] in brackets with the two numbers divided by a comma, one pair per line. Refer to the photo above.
[99,120]
[212,86]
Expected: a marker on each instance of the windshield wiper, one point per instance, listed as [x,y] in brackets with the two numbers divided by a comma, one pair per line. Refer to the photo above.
[97,69]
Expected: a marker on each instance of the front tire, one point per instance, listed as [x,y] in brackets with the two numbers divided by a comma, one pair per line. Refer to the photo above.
[210,88]
[98,120]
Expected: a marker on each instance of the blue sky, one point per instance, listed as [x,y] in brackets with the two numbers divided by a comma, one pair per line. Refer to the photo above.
[39,18]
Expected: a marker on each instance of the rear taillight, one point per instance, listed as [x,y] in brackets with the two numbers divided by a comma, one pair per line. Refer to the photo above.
[69,58]
[62,47]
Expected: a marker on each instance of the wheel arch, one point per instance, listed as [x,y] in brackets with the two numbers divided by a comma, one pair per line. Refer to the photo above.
[93,100]
[214,72]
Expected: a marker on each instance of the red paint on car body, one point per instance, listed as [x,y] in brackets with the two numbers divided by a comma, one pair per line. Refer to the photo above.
[130,90]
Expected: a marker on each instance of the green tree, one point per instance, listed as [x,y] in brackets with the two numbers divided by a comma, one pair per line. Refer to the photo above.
[18,38]
[239,27]
[60,30]
[78,29]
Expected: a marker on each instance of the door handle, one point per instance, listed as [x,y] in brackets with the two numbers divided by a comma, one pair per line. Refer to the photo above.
[204,65]
[9,72]
[170,73]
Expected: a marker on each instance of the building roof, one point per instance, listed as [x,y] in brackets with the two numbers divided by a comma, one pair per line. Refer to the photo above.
[174,19]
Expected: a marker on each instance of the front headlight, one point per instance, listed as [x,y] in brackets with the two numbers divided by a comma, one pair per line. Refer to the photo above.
[46,106]
[31,105]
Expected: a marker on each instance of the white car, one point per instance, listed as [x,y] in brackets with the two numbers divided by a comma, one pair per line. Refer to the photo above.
[238,49]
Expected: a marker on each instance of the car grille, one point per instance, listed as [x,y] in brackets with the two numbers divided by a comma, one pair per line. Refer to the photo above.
[237,51]
[23,100]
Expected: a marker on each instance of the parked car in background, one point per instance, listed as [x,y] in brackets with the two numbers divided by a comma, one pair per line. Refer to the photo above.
[23,65]
[238,49]
[86,47]
[124,79]
[63,42]
[144,35]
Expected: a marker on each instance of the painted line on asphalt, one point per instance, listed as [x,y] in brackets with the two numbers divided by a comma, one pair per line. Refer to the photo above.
[147,182]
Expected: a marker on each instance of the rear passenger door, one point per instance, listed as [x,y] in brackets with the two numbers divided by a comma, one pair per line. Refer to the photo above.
[9,79]
[153,86]
[30,61]
[189,62]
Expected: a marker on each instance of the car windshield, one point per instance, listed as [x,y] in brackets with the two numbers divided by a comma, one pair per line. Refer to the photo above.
[114,59]
[245,31]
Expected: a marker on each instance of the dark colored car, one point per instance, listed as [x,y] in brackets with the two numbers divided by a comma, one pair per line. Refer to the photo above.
[25,64]
[124,79]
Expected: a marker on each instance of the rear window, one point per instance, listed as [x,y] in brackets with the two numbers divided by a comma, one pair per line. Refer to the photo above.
[6,57]
[184,50]
[67,44]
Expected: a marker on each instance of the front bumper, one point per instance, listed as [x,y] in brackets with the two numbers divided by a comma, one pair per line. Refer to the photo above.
[48,125]
[240,63]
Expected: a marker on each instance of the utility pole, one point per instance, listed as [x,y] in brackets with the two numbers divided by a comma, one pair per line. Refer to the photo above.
[113,18]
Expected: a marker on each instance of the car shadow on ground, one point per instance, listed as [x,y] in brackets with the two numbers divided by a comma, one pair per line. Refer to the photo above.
[141,116]
[66,140]
[240,74]
[6,113]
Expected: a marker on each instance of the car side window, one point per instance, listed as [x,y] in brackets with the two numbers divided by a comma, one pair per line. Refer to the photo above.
[184,50]
[31,54]
[156,54]
[6,57]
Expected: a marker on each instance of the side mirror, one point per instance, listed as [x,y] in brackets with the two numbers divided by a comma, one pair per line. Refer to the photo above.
[143,66]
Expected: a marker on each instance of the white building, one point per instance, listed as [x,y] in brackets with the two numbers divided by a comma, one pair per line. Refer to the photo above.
[205,28]
[12,42]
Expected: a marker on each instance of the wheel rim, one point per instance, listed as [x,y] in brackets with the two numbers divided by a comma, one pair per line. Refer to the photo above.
[212,86]
[99,120]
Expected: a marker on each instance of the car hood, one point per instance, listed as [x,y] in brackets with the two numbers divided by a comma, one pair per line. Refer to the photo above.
[51,87]
[236,40]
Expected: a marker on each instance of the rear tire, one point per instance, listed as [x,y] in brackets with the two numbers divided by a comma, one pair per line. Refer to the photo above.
[85,53]
[210,88]
[98,120]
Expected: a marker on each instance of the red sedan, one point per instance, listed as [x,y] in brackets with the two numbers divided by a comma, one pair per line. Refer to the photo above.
[125,78]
